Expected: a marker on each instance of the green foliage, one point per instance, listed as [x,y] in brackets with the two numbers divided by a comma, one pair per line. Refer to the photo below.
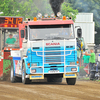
[30,8]
[67,10]
[89,6]
[24,8]
[6,65]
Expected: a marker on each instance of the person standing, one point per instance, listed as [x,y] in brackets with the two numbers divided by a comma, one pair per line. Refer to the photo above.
[86,59]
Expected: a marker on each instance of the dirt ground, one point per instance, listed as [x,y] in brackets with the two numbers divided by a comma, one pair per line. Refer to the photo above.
[83,90]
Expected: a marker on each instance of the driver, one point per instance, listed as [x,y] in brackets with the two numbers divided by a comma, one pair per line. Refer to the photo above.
[10,40]
[64,31]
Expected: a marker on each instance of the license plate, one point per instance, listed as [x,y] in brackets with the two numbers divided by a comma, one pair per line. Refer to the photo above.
[53,71]
[37,76]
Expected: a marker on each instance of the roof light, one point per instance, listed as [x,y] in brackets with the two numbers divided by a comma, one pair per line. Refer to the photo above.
[35,19]
[46,15]
[26,19]
[67,18]
[29,19]
[64,17]
[52,15]
[39,15]
[59,14]
[70,17]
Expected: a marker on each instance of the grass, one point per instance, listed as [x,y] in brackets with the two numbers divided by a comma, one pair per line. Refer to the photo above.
[81,67]
[98,80]
[85,78]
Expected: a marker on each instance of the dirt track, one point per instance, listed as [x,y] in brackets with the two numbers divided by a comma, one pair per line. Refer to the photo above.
[83,90]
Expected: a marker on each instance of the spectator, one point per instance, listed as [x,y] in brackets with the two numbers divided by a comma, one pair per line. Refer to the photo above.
[86,59]
[92,59]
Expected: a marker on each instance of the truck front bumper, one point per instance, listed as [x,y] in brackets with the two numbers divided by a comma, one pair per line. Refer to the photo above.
[41,76]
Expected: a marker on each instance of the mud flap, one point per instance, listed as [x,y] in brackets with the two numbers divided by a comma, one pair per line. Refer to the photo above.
[37,76]
[69,75]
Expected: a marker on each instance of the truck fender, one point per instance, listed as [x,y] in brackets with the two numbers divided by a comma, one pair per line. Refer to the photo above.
[24,60]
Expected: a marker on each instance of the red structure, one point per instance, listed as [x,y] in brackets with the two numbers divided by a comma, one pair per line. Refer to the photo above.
[8,25]
[1,67]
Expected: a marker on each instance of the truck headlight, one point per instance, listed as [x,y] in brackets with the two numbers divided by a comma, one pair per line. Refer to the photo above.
[59,14]
[72,63]
[46,15]
[52,15]
[33,70]
[73,69]
[39,15]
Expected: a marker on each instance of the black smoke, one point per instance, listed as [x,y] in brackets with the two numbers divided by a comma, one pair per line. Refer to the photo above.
[56,5]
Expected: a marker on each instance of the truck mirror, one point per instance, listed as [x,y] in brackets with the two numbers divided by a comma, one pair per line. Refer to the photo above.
[78,43]
[83,49]
[79,32]
[22,33]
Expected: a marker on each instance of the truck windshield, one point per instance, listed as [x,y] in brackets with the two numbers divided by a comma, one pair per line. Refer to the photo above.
[10,38]
[52,32]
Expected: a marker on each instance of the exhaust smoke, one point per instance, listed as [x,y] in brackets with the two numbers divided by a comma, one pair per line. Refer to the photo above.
[56,5]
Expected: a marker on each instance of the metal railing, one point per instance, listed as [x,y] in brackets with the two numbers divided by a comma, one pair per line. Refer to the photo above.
[43,55]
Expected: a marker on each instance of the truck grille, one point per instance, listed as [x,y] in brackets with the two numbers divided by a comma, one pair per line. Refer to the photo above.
[52,56]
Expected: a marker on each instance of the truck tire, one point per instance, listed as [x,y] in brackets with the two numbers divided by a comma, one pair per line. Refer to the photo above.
[54,79]
[12,77]
[71,81]
[24,79]
[92,75]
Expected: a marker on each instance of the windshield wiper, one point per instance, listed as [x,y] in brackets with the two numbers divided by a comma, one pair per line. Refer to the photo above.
[36,39]
[58,37]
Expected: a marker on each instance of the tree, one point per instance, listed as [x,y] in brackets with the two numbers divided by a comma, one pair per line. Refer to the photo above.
[89,6]
[24,8]
[68,11]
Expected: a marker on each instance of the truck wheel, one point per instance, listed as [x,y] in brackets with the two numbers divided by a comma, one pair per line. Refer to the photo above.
[24,79]
[12,77]
[71,81]
[54,79]
[92,75]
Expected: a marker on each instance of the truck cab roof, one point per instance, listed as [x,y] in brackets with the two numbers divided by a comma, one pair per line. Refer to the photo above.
[48,22]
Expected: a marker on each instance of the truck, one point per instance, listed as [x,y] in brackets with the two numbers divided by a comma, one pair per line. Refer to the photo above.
[48,48]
